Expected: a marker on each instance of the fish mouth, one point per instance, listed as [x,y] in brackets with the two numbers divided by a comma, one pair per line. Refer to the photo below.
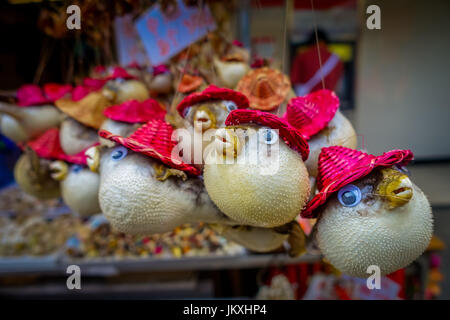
[93,158]
[227,143]
[396,188]
[58,170]
[204,119]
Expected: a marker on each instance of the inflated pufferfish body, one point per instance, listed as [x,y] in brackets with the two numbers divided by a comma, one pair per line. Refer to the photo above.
[79,187]
[370,213]
[34,112]
[317,117]
[206,111]
[144,190]
[265,193]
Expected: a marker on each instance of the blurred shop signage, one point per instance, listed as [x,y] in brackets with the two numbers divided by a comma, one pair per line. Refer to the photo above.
[129,46]
[163,36]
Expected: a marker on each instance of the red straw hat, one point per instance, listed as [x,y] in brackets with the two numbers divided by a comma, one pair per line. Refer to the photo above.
[119,72]
[289,134]
[339,166]
[47,146]
[33,95]
[153,139]
[55,91]
[213,93]
[312,112]
[133,111]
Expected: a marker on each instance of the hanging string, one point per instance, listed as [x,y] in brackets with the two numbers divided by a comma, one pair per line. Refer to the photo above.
[317,43]
[188,52]
[45,54]
[284,34]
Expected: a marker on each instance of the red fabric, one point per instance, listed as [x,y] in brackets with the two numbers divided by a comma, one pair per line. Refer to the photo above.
[213,93]
[312,112]
[306,64]
[399,277]
[339,166]
[48,146]
[293,138]
[134,111]
[153,139]
[31,95]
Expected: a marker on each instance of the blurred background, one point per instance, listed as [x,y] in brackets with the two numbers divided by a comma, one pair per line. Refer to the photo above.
[392,83]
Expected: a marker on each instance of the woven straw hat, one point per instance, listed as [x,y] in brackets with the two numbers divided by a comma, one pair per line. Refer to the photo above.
[189,83]
[266,88]
[213,93]
[47,146]
[153,139]
[88,110]
[33,95]
[134,111]
[312,112]
[339,166]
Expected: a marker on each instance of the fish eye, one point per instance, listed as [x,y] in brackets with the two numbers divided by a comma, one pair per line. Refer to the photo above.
[76,168]
[119,153]
[230,105]
[269,136]
[349,196]
[403,170]
[186,112]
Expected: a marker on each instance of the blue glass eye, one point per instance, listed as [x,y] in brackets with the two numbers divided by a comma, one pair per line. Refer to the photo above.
[230,105]
[269,136]
[403,170]
[186,112]
[119,153]
[76,168]
[349,196]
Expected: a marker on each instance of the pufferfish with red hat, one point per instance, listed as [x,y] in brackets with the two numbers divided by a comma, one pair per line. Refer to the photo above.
[145,187]
[257,173]
[369,211]
[45,171]
[203,113]
[317,116]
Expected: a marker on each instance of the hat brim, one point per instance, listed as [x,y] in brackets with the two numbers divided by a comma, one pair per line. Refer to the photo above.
[47,146]
[327,103]
[138,147]
[88,110]
[272,101]
[213,93]
[345,177]
[291,136]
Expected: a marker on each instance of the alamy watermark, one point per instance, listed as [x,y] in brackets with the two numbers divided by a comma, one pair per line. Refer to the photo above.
[374,280]
[74,280]
[74,20]
[374,19]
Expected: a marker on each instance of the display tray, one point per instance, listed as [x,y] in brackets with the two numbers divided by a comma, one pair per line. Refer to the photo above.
[112,266]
